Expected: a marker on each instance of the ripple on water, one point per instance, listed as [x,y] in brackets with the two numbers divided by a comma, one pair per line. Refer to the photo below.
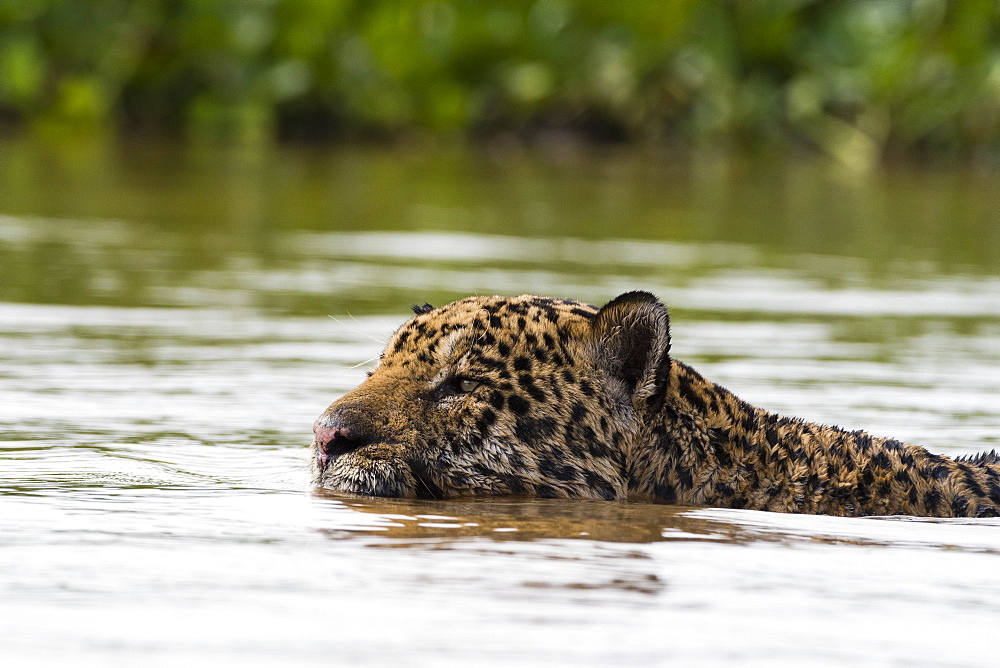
[155,506]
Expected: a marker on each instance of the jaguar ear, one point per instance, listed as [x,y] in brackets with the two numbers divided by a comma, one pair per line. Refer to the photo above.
[420,310]
[632,337]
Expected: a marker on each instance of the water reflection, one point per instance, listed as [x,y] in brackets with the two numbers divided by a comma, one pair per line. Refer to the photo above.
[159,225]
[528,519]
[423,523]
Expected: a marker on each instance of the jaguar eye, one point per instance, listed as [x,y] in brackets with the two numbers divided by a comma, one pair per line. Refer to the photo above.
[465,385]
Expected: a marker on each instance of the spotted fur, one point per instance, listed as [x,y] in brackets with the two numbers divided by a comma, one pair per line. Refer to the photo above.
[552,398]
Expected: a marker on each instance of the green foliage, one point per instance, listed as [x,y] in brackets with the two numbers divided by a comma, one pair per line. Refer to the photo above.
[852,78]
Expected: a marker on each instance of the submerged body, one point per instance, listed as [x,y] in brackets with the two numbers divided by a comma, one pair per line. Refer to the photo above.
[553,398]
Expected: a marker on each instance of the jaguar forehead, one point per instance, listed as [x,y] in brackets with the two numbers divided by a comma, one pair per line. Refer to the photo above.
[447,344]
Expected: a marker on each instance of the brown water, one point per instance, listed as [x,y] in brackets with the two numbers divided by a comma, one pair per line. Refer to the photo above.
[171,322]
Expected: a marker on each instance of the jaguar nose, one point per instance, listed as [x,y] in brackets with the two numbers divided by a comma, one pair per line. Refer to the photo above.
[333,438]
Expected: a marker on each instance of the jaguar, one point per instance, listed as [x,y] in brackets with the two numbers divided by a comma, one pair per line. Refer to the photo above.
[553,398]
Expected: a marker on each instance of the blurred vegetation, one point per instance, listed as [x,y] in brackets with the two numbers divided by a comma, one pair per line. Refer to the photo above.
[855,79]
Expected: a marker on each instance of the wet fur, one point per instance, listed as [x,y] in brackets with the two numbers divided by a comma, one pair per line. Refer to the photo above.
[579,402]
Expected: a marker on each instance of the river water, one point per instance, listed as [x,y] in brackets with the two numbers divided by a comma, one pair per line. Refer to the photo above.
[172,320]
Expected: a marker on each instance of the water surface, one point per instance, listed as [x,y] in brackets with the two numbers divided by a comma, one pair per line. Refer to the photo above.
[172,321]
